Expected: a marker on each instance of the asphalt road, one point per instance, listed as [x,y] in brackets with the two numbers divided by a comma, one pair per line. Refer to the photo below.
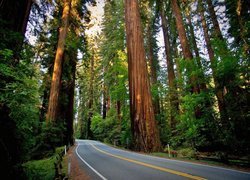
[104,162]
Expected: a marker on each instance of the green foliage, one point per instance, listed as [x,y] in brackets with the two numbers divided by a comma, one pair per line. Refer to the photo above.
[43,169]
[186,152]
[19,92]
[106,130]
[110,129]
[40,169]
[125,134]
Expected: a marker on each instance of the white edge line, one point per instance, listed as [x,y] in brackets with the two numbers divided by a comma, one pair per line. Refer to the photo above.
[101,176]
[174,160]
[192,163]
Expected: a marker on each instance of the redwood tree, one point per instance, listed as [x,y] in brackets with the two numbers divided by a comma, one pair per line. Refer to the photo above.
[143,124]
[57,72]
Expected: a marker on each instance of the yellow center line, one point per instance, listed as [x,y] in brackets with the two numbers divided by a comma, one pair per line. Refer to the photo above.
[150,165]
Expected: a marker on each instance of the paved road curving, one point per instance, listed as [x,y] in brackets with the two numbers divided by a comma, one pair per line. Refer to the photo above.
[105,162]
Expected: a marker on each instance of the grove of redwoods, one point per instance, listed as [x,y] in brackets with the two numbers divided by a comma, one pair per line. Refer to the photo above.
[122,85]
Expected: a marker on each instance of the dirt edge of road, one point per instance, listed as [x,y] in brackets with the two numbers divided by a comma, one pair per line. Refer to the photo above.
[75,172]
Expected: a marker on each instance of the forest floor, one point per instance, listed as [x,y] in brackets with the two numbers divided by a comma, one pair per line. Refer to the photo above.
[76,172]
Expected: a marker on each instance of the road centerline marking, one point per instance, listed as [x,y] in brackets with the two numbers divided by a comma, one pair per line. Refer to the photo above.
[150,165]
[101,176]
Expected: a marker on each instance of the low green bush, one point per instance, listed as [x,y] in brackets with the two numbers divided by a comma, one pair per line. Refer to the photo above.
[186,152]
[43,169]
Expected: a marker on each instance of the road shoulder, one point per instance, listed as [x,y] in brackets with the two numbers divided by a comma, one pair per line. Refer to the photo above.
[76,172]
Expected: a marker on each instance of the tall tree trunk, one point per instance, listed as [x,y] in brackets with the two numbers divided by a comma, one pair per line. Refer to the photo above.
[57,72]
[70,95]
[243,7]
[174,102]
[196,50]
[214,20]
[192,36]
[89,134]
[185,46]
[143,124]
[218,87]
[153,65]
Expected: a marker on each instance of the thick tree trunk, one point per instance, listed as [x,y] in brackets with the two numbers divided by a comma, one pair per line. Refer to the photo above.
[143,124]
[185,46]
[174,102]
[57,72]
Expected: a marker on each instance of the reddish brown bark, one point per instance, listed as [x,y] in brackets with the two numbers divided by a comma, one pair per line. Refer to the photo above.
[185,45]
[143,124]
[57,71]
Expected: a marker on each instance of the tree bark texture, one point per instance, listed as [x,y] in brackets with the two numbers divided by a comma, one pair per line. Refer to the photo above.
[143,124]
[57,71]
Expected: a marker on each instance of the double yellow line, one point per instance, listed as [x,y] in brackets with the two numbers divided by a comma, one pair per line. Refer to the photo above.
[150,165]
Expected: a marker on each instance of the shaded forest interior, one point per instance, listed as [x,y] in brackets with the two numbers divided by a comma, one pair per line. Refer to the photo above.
[158,73]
